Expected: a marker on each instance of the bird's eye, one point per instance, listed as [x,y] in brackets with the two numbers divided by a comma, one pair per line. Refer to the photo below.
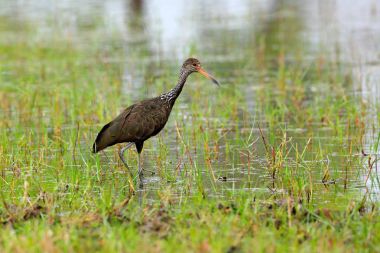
[194,64]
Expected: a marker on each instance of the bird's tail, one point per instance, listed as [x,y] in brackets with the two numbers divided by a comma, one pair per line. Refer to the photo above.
[103,139]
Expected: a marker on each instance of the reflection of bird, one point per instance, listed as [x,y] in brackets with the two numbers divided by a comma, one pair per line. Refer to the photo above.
[146,118]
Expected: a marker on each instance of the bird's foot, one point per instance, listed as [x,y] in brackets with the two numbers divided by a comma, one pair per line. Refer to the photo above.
[151,172]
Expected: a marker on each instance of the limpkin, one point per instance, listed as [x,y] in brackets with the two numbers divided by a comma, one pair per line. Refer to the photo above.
[146,118]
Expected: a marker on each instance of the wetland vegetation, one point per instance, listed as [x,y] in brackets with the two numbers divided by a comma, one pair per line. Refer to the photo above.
[282,157]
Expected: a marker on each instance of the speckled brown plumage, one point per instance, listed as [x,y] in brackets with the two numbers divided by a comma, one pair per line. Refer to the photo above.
[135,124]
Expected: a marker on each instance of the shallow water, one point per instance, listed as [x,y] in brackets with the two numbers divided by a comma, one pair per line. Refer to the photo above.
[157,35]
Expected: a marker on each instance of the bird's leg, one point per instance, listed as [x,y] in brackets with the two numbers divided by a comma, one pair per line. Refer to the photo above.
[121,154]
[139,147]
[141,176]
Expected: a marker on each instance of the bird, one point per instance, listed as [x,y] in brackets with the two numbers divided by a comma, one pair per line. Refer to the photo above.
[146,118]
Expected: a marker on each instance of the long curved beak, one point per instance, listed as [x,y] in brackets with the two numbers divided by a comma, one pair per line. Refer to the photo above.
[207,75]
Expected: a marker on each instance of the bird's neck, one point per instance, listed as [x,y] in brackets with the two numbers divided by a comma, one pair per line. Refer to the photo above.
[172,95]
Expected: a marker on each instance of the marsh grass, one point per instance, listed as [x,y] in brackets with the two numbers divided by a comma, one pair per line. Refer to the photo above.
[273,160]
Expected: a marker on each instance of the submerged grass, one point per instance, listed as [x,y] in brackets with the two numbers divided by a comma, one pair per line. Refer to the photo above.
[275,160]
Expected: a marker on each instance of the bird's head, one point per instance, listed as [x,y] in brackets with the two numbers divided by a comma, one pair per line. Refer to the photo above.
[193,65]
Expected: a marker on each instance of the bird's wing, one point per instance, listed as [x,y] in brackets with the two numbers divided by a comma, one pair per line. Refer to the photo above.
[145,120]
[111,132]
[122,118]
[135,124]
